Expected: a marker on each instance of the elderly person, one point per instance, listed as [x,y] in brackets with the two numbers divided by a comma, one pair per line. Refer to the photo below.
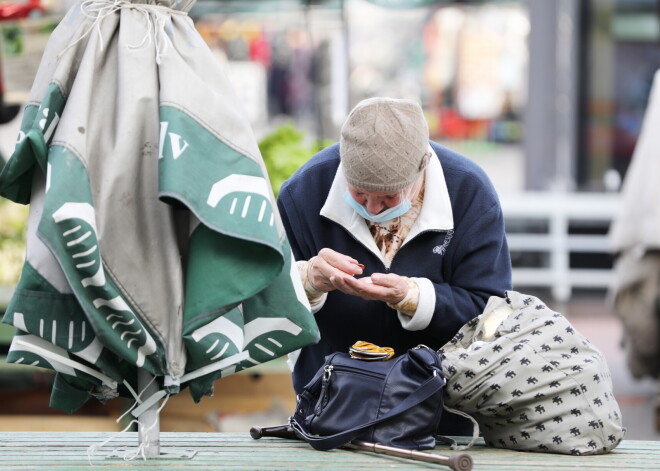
[399,240]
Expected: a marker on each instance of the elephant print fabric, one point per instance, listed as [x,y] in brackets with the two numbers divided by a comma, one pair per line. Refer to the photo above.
[531,381]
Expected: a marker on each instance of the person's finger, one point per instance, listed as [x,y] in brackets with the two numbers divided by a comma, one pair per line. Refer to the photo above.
[340,282]
[390,287]
[362,287]
[344,263]
[387,279]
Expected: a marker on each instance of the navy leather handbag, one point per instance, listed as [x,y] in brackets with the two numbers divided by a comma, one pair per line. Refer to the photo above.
[396,402]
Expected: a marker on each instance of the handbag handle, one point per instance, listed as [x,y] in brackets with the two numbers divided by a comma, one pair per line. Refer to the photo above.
[329,442]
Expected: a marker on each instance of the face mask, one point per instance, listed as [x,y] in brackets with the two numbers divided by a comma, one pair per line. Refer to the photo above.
[384,216]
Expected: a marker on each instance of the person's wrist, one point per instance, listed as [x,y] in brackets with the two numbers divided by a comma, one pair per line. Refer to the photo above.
[312,291]
[408,305]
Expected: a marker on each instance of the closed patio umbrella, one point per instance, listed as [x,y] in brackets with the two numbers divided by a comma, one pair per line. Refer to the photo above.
[153,238]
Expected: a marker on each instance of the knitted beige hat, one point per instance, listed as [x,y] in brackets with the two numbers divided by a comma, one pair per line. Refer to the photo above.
[384,144]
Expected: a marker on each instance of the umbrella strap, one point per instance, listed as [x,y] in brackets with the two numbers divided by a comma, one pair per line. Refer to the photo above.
[148,402]
[135,395]
[228,362]
[55,358]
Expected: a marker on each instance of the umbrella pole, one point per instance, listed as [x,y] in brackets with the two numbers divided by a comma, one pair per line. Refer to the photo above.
[148,420]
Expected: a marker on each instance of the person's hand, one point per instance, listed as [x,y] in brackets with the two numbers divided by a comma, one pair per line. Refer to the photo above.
[390,287]
[329,263]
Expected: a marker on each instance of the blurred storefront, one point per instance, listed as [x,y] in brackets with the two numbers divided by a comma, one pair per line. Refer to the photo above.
[563,84]
[287,59]
[554,89]
[621,48]
[466,63]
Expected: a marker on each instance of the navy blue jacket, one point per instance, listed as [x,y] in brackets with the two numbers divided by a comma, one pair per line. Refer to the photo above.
[465,265]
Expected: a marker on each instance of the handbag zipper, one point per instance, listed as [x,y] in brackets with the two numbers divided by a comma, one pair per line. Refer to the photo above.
[327,372]
[325,381]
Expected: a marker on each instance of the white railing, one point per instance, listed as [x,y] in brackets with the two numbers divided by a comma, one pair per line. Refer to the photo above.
[555,213]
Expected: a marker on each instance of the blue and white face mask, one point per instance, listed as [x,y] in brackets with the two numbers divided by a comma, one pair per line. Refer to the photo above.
[384,216]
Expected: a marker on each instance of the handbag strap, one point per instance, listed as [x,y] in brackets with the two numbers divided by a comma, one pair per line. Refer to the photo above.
[329,442]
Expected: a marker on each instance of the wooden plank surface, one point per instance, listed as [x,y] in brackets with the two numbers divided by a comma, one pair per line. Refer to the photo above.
[224,451]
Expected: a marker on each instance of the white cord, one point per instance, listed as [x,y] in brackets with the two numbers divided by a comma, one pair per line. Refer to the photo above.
[91,450]
[145,436]
[129,455]
[98,10]
[475,431]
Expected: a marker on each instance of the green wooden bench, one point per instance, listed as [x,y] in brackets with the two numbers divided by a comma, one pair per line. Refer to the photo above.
[224,451]
[68,451]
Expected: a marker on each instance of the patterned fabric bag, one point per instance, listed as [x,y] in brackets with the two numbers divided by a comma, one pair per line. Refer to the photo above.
[531,381]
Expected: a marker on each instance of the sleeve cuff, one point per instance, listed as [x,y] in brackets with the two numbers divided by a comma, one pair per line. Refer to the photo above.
[425,308]
[316,298]
[318,303]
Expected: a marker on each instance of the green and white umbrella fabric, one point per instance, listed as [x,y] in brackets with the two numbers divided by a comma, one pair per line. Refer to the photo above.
[153,238]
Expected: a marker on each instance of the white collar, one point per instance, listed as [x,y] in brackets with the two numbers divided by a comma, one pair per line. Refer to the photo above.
[435,215]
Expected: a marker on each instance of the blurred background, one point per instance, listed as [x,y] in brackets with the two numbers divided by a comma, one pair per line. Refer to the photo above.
[549,97]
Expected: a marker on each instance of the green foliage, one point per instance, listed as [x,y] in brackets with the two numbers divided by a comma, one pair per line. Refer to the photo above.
[12,40]
[284,151]
[13,229]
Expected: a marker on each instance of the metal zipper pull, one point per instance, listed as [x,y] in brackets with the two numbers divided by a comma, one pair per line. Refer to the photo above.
[323,396]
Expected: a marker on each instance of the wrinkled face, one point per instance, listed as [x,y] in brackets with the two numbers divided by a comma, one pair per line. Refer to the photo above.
[378,201]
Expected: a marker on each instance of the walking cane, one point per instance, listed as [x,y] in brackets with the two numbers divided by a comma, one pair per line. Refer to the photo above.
[458,462]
